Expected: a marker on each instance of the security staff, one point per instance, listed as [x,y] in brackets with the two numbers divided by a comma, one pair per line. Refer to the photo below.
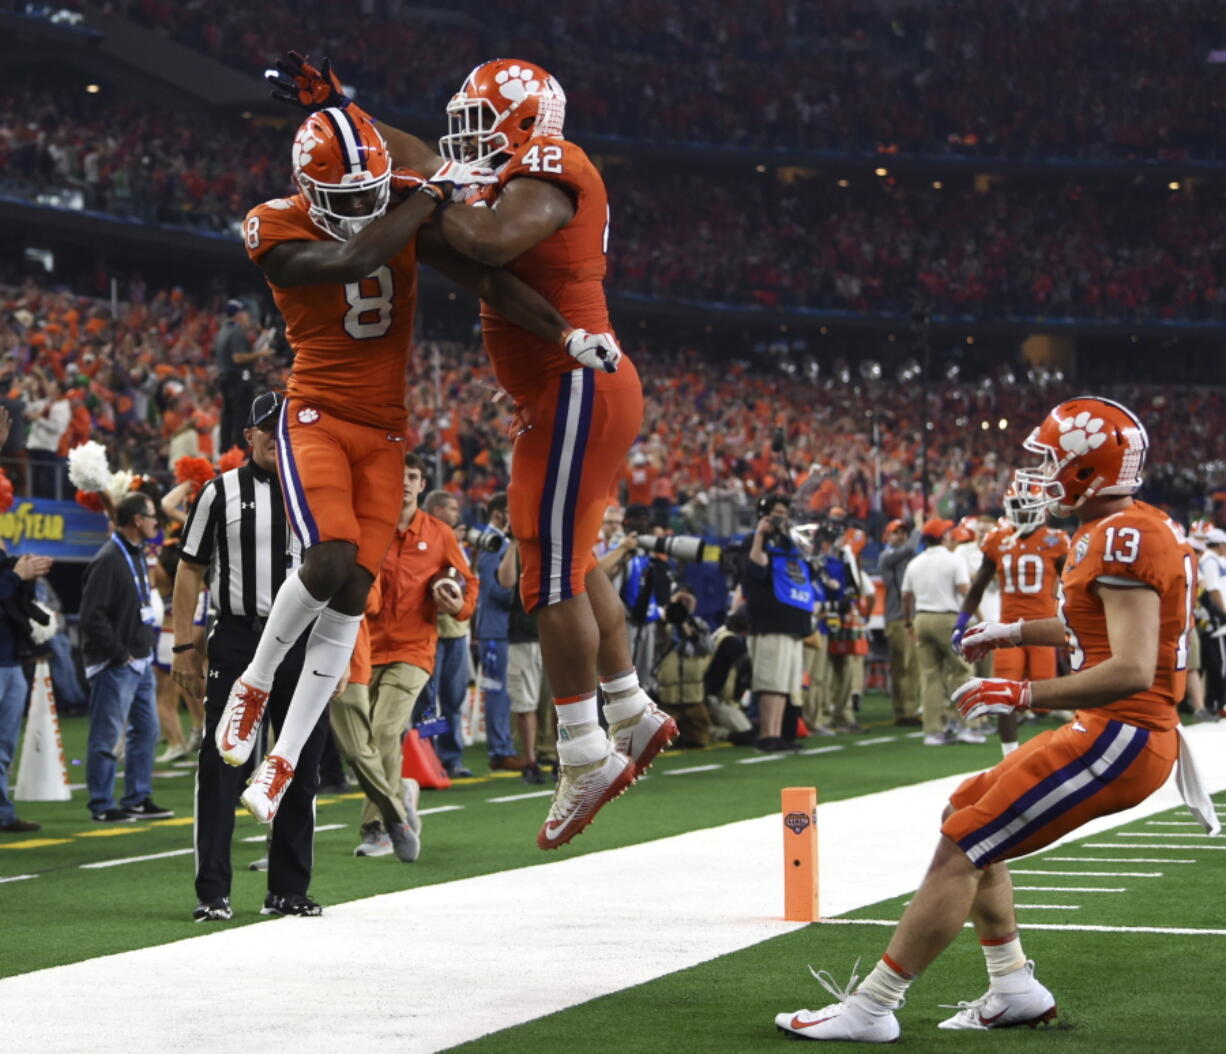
[237,533]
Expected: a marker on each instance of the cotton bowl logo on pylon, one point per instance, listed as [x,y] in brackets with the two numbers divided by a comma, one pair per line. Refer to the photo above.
[43,775]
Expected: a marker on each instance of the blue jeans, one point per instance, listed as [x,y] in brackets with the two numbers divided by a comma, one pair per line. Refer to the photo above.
[120,698]
[497,698]
[449,686]
[12,705]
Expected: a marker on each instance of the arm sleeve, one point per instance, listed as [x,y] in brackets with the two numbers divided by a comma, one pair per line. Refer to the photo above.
[197,539]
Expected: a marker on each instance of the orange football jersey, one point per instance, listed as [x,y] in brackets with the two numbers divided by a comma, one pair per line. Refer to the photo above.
[567,268]
[1140,545]
[1026,570]
[351,341]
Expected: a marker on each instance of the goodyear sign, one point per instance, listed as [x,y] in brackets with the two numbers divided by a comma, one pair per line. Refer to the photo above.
[60,529]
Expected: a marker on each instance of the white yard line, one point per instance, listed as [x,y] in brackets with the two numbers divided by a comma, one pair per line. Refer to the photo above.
[610,920]
[689,771]
[1152,846]
[440,808]
[1114,860]
[519,797]
[1048,907]
[1088,874]
[760,760]
[16,878]
[1067,927]
[135,859]
[1071,889]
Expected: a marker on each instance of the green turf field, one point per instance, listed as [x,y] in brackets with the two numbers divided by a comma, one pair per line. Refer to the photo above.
[1111,985]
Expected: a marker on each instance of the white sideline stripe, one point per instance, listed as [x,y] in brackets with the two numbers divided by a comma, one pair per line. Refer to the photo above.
[1171,823]
[330,827]
[696,768]
[256,838]
[440,808]
[1090,874]
[1181,931]
[813,751]
[1115,860]
[1072,889]
[135,859]
[439,935]
[520,797]
[1142,845]
[16,878]
[1166,834]
[1048,907]
[764,757]
[873,742]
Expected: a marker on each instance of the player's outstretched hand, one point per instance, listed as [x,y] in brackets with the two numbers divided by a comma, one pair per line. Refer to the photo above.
[296,82]
[984,637]
[596,351]
[458,174]
[991,695]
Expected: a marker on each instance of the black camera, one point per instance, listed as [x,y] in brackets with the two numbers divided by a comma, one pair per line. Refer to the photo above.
[482,539]
[676,613]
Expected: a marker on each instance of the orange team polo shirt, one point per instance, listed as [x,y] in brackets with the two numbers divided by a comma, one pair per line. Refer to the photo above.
[404,629]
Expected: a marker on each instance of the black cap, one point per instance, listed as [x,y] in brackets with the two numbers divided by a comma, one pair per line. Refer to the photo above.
[263,407]
[233,307]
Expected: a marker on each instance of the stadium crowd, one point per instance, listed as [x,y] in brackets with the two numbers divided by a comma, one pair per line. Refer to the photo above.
[1004,251]
[145,383]
[979,78]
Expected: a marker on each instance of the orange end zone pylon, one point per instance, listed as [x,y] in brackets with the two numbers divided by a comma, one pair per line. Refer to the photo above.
[422,764]
[800,901]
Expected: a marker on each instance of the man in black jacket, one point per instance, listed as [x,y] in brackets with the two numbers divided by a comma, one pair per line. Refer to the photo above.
[118,631]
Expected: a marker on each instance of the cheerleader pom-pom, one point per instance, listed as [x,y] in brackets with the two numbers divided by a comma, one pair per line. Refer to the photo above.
[6,492]
[87,467]
[232,458]
[39,633]
[120,486]
[91,499]
[196,470]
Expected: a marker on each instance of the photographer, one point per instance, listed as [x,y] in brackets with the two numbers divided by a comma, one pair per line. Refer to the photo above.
[845,594]
[644,580]
[780,597]
[684,641]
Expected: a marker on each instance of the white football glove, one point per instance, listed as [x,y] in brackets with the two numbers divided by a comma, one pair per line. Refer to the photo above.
[984,637]
[991,695]
[596,351]
[461,175]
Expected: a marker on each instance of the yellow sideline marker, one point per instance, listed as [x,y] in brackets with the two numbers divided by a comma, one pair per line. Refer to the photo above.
[800,854]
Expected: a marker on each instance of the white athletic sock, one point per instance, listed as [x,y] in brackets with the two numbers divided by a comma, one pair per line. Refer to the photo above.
[577,710]
[885,988]
[1003,956]
[1007,748]
[620,684]
[292,611]
[624,697]
[582,744]
[328,650]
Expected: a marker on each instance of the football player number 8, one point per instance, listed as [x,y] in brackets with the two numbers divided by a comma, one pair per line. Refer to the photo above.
[358,321]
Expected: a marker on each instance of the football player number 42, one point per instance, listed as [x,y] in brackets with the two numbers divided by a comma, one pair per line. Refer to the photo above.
[370,314]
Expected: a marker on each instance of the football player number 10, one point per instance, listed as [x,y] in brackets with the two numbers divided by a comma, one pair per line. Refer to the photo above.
[1029,577]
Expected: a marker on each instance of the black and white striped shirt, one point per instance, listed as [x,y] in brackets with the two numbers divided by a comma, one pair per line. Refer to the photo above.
[238,527]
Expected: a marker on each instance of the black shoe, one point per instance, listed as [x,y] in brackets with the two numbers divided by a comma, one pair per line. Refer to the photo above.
[290,904]
[114,816]
[743,739]
[149,810]
[24,826]
[532,773]
[215,910]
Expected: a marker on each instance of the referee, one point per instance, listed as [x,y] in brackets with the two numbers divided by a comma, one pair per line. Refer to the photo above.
[237,533]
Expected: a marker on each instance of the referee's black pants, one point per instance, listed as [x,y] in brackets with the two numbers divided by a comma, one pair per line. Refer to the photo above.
[218,785]
[1213,661]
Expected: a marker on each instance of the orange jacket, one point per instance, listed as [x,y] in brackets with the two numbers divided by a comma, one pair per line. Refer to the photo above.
[404,629]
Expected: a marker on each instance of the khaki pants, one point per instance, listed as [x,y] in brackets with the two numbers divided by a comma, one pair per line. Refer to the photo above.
[814,703]
[844,678]
[940,670]
[904,690]
[369,725]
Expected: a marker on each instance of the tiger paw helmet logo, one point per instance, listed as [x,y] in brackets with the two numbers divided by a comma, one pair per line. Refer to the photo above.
[304,143]
[1081,434]
[516,83]
[308,415]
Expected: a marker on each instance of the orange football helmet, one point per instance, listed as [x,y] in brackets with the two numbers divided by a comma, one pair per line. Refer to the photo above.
[1090,446]
[342,166]
[499,107]
[1023,517]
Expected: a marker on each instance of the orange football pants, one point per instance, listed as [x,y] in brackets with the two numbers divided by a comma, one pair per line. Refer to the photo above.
[575,434]
[1091,767]
[341,481]
[1027,663]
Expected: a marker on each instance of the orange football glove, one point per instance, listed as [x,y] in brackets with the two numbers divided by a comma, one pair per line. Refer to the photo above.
[296,82]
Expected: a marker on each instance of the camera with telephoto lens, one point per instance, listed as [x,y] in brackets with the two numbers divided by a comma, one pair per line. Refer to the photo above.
[482,539]
[684,547]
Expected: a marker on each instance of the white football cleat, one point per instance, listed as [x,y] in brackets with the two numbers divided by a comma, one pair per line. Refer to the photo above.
[853,1019]
[643,736]
[581,791]
[995,1009]
[240,722]
[268,786]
